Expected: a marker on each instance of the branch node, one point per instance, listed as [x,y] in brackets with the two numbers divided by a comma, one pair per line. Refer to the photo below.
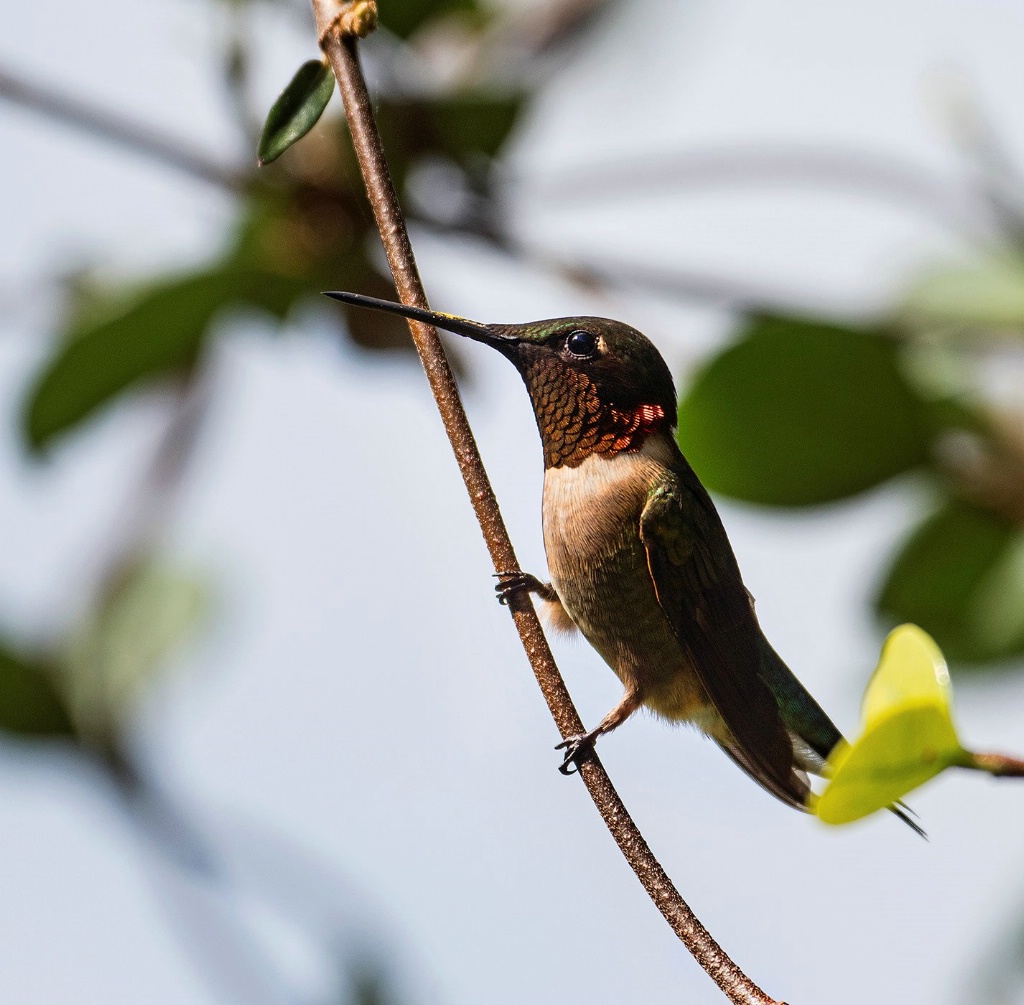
[355,18]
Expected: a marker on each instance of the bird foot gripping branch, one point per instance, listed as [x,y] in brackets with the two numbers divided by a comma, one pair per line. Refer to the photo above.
[577,750]
[513,581]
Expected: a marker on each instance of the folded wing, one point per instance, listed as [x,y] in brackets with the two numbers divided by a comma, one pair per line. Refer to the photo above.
[699,588]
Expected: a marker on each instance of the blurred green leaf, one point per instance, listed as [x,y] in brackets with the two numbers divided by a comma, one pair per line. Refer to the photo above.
[117,651]
[908,735]
[802,412]
[297,110]
[403,17]
[475,124]
[961,576]
[276,294]
[950,413]
[998,608]
[159,333]
[987,294]
[29,703]
[463,128]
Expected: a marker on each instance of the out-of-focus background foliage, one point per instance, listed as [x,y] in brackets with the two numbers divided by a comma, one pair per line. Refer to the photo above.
[265,736]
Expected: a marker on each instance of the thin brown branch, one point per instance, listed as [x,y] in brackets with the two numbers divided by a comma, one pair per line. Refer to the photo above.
[342,52]
[730,293]
[118,129]
[148,511]
[705,288]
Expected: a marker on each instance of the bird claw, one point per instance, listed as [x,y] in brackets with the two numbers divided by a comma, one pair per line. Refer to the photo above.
[577,750]
[514,581]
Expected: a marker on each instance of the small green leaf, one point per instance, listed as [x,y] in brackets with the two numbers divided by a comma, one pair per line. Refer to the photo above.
[296,111]
[117,650]
[908,736]
[961,577]
[29,703]
[987,294]
[802,412]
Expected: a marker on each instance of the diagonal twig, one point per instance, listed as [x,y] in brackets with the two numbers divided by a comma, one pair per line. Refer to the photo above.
[332,19]
[112,127]
[960,208]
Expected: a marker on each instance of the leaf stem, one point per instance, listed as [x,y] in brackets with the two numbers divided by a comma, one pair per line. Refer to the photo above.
[342,52]
[1000,765]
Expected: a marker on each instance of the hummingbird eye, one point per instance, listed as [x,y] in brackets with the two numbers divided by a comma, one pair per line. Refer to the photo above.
[581,343]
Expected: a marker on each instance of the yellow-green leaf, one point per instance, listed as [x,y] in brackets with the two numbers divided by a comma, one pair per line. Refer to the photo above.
[909,736]
[887,762]
[911,671]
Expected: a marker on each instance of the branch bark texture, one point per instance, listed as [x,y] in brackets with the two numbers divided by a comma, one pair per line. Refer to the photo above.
[341,49]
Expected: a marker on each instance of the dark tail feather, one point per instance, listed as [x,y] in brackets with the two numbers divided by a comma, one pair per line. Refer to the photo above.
[904,812]
[800,712]
[795,794]
[805,717]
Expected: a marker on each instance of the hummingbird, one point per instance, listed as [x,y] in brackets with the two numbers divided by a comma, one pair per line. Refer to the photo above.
[639,559]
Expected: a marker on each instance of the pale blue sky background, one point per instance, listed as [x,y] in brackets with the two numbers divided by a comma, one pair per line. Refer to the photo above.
[397,734]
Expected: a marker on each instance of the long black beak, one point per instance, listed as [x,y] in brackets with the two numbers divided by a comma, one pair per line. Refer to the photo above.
[449,322]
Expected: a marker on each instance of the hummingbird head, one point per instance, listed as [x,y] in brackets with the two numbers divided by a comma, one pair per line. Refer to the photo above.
[596,385]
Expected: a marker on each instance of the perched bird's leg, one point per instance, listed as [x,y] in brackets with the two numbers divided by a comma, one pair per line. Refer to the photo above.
[579,748]
[513,581]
